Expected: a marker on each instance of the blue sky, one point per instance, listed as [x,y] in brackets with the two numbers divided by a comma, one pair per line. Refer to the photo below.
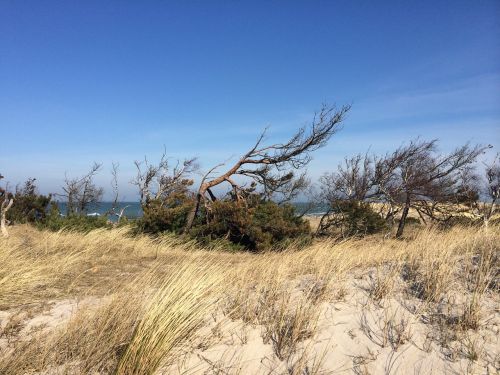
[116,80]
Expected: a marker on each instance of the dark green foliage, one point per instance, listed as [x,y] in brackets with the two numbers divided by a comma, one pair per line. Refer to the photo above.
[251,223]
[358,218]
[29,206]
[351,218]
[81,223]
[161,215]
[257,225]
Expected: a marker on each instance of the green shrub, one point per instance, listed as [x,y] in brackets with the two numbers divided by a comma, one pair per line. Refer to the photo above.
[165,215]
[81,223]
[29,206]
[220,244]
[252,224]
[352,218]
[258,225]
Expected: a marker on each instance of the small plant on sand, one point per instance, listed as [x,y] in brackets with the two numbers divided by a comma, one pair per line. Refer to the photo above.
[479,274]
[287,325]
[391,328]
[381,283]
[175,311]
[429,278]
[398,332]
[360,362]
[314,288]
[304,363]
[469,348]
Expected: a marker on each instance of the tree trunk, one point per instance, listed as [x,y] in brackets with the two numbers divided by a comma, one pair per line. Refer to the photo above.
[320,227]
[3,218]
[193,212]
[389,218]
[422,217]
[488,214]
[404,214]
[212,196]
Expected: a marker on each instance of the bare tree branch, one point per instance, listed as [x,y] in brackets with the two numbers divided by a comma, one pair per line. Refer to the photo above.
[7,202]
[265,165]
[4,207]
[81,192]
[165,181]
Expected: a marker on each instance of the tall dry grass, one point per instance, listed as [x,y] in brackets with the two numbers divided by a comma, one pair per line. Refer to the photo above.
[152,297]
[175,310]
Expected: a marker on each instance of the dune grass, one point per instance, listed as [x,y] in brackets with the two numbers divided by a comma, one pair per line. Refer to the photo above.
[152,299]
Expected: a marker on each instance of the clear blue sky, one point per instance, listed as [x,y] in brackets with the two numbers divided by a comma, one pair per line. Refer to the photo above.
[116,80]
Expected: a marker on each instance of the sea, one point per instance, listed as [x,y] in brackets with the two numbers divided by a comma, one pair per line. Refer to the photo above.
[133,210]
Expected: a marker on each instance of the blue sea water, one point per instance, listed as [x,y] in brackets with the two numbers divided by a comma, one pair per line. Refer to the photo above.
[133,210]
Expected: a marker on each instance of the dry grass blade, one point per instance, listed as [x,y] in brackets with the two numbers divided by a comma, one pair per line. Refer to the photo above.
[176,310]
[137,305]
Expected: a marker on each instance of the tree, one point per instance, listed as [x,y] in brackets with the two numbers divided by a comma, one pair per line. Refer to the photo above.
[272,167]
[348,193]
[115,210]
[81,192]
[30,205]
[156,182]
[353,180]
[483,192]
[164,194]
[416,176]
[7,201]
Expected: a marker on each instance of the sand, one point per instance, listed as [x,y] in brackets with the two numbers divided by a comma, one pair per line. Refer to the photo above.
[353,334]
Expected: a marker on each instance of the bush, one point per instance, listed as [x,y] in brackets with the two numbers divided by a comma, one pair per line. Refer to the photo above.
[259,225]
[253,224]
[29,206]
[54,221]
[165,215]
[353,218]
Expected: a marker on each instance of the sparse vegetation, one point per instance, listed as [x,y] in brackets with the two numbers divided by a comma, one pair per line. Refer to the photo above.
[260,238]
[413,177]
[80,293]
[134,304]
